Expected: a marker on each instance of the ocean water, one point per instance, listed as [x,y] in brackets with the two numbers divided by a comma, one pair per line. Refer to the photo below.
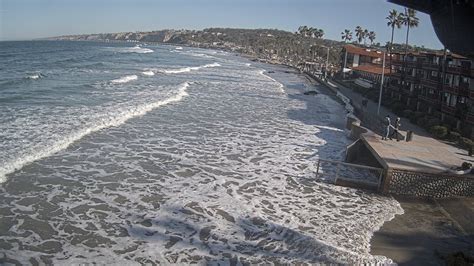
[123,154]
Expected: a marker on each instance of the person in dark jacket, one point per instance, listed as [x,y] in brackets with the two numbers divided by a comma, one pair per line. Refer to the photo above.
[396,127]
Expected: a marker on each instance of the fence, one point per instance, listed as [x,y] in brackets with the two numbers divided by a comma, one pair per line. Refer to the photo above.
[338,172]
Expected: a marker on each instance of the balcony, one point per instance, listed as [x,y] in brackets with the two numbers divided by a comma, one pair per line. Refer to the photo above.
[430,66]
[452,90]
[430,82]
[448,110]
[434,101]
[470,118]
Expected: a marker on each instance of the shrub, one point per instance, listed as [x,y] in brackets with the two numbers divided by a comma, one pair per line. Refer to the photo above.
[439,131]
[466,165]
[465,143]
[432,122]
[454,136]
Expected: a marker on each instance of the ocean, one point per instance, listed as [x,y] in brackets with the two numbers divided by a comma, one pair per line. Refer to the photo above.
[118,153]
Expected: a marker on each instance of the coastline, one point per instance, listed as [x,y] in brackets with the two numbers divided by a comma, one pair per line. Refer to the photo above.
[429,232]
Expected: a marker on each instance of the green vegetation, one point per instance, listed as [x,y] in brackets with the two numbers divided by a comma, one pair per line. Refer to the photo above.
[439,131]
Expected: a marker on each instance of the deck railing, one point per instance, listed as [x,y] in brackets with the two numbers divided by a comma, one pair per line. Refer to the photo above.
[331,170]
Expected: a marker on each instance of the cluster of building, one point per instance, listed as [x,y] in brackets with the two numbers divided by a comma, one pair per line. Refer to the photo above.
[439,84]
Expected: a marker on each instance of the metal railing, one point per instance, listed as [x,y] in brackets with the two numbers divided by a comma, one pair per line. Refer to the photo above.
[348,171]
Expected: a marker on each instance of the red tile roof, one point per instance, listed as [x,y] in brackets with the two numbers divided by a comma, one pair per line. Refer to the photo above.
[373,69]
[352,49]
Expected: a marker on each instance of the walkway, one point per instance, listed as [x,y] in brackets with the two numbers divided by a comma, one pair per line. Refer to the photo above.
[424,153]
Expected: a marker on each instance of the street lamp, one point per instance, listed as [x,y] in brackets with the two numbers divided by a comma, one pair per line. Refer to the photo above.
[381,84]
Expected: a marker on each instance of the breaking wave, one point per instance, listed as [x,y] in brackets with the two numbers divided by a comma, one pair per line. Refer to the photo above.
[113,120]
[188,69]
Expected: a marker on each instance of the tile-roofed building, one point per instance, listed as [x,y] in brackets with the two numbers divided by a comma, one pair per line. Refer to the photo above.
[364,63]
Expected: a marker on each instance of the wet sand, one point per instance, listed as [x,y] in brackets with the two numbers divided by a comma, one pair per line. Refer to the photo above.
[428,232]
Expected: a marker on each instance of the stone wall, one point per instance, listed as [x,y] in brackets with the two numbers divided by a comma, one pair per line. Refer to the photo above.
[402,182]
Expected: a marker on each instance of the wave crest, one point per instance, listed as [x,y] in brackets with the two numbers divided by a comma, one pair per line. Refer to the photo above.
[113,121]
[125,79]
[188,69]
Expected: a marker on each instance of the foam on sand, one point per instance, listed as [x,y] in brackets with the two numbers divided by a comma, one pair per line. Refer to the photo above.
[280,86]
[112,121]
[188,69]
[125,79]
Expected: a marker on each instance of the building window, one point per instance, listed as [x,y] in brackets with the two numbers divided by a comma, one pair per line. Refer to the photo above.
[453,100]
[446,98]
[434,73]
[465,80]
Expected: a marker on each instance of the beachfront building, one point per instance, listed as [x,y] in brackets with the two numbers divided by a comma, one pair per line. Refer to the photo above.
[438,84]
[364,65]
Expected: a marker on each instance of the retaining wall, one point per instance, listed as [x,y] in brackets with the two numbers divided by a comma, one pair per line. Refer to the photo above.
[417,184]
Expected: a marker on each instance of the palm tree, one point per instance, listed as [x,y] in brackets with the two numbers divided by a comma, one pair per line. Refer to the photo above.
[410,20]
[319,33]
[364,36]
[346,35]
[394,20]
[371,37]
[359,34]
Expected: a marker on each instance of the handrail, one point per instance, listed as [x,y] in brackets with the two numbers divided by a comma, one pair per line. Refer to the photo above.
[338,163]
[351,164]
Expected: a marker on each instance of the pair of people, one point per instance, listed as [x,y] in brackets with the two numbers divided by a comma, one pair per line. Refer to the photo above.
[388,125]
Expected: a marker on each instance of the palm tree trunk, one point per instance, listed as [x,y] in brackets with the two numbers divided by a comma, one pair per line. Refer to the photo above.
[406,51]
[390,50]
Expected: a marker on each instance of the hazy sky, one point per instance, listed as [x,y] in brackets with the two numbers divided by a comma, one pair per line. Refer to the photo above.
[29,19]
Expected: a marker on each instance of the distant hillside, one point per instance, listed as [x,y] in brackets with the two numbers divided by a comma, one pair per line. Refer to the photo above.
[271,45]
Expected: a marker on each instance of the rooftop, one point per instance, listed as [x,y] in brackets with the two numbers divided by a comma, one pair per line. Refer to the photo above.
[363,51]
[373,69]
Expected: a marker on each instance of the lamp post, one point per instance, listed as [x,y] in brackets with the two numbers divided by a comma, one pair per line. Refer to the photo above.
[327,64]
[381,84]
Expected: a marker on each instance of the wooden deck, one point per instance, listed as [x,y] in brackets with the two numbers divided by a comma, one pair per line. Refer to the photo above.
[423,154]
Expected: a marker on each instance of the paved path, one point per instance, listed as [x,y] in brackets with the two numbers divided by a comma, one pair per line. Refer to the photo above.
[424,153]
[372,109]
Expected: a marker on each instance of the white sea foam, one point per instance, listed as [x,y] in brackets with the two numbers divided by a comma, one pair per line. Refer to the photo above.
[148,73]
[35,76]
[188,69]
[179,48]
[280,86]
[125,79]
[140,50]
[112,121]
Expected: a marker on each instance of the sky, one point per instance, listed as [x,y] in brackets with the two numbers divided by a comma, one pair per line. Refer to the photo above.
[30,19]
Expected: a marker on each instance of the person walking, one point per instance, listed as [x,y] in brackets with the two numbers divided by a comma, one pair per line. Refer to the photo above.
[387,125]
[396,127]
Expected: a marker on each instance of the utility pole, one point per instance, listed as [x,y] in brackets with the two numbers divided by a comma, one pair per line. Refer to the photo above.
[327,64]
[381,84]
[345,62]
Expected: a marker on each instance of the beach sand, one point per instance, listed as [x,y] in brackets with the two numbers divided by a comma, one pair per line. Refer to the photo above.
[428,232]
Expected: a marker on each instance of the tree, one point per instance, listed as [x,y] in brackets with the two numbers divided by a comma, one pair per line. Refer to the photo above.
[303,30]
[346,35]
[410,20]
[359,34]
[394,20]
[365,35]
[371,37]
[319,33]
